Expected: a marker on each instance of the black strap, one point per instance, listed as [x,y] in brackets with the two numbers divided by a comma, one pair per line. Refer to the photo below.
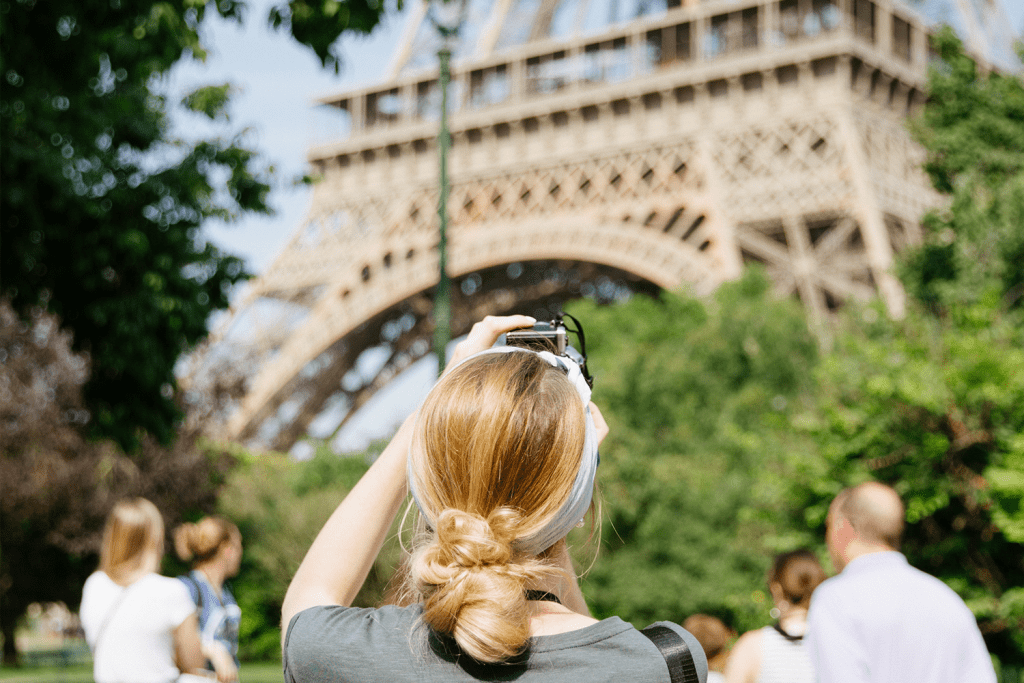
[543,596]
[188,578]
[110,616]
[793,639]
[676,652]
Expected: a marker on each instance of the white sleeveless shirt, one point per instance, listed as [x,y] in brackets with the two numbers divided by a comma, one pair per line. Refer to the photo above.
[783,660]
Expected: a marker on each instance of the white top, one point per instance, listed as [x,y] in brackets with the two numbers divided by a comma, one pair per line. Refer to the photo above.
[783,660]
[882,621]
[137,643]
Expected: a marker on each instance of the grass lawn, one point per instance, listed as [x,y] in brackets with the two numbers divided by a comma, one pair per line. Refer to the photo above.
[269,672]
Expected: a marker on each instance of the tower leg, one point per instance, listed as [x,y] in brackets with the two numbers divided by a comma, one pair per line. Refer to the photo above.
[869,215]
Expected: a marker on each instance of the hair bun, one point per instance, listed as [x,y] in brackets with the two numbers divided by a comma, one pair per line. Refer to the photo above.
[468,540]
[798,573]
[473,584]
[184,540]
[198,542]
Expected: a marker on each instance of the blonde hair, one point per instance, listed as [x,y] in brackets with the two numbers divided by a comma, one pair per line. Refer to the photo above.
[497,449]
[199,542]
[133,527]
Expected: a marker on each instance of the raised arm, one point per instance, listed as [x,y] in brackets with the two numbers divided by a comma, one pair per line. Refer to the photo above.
[340,558]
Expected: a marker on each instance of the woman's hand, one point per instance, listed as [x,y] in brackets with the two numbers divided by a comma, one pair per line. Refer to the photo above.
[486,332]
[600,426]
[223,662]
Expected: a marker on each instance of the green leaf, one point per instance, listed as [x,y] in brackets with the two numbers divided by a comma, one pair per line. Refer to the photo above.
[211,100]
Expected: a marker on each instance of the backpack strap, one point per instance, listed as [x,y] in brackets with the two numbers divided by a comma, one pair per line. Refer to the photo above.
[191,581]
[676,652]
[110,616]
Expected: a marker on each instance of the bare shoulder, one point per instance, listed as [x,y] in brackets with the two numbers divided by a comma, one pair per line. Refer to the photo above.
[749,642]
[552,624]
[745,658]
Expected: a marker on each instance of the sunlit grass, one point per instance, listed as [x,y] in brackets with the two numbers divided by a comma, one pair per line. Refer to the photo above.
[268,672]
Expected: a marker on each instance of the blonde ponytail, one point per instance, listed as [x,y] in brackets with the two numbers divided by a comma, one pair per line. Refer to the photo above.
[133,528]
[473,585]
[495,457]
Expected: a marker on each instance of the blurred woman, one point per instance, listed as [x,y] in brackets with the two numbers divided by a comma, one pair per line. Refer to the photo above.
[775,654]
[501,460]
[140,626]
[214,547]
[714,636]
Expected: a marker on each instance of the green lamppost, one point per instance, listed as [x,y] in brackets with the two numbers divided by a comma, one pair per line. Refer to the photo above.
[446,16]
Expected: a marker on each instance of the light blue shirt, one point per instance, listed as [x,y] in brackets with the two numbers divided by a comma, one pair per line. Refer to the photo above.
[882,621]
[219,615]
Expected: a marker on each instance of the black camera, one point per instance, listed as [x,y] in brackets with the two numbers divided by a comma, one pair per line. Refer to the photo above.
[553,336]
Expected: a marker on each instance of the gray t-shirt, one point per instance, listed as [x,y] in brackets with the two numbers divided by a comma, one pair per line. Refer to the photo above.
[392,645]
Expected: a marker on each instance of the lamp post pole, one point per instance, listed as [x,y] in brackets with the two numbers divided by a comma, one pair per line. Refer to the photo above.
[442,297]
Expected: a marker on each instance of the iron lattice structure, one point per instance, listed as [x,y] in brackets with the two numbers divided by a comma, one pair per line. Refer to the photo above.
[663,152]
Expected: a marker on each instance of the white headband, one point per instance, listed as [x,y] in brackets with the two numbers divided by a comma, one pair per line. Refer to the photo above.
[575,507]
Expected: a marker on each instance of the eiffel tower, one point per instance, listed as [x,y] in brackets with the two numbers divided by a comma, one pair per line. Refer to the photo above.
[599,147]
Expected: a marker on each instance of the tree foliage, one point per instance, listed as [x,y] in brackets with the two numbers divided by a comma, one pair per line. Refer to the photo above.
[973,130]
[936,411]
[101,211]
[934,404]
[55,487]
[102,208]
[280,505]
[697,395]
[318,23]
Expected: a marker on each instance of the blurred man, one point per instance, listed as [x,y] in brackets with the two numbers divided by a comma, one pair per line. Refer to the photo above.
[881,620]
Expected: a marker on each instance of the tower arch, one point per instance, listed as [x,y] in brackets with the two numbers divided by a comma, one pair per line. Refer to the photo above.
[657,151]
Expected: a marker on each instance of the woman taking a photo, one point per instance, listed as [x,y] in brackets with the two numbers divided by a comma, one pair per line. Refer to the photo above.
[214,547]
[140,626]
[500,460]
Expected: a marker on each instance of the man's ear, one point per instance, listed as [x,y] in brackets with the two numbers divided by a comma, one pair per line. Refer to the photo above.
[844,527]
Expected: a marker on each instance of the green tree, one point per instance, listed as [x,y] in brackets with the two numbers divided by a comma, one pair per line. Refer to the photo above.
[934,404]
[937,411]
[56,487]
[280,505]
[101,212]
[698,396]
[973,130]
[102,209]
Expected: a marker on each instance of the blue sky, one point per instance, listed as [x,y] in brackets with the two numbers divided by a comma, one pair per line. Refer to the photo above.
[278,81]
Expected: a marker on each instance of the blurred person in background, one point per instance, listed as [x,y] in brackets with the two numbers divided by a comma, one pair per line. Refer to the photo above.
[140,626]
[881,620]
[214,547]
[714,637]
[776,653]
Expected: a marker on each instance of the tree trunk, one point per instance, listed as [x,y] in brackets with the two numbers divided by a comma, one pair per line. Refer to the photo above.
[8,622]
